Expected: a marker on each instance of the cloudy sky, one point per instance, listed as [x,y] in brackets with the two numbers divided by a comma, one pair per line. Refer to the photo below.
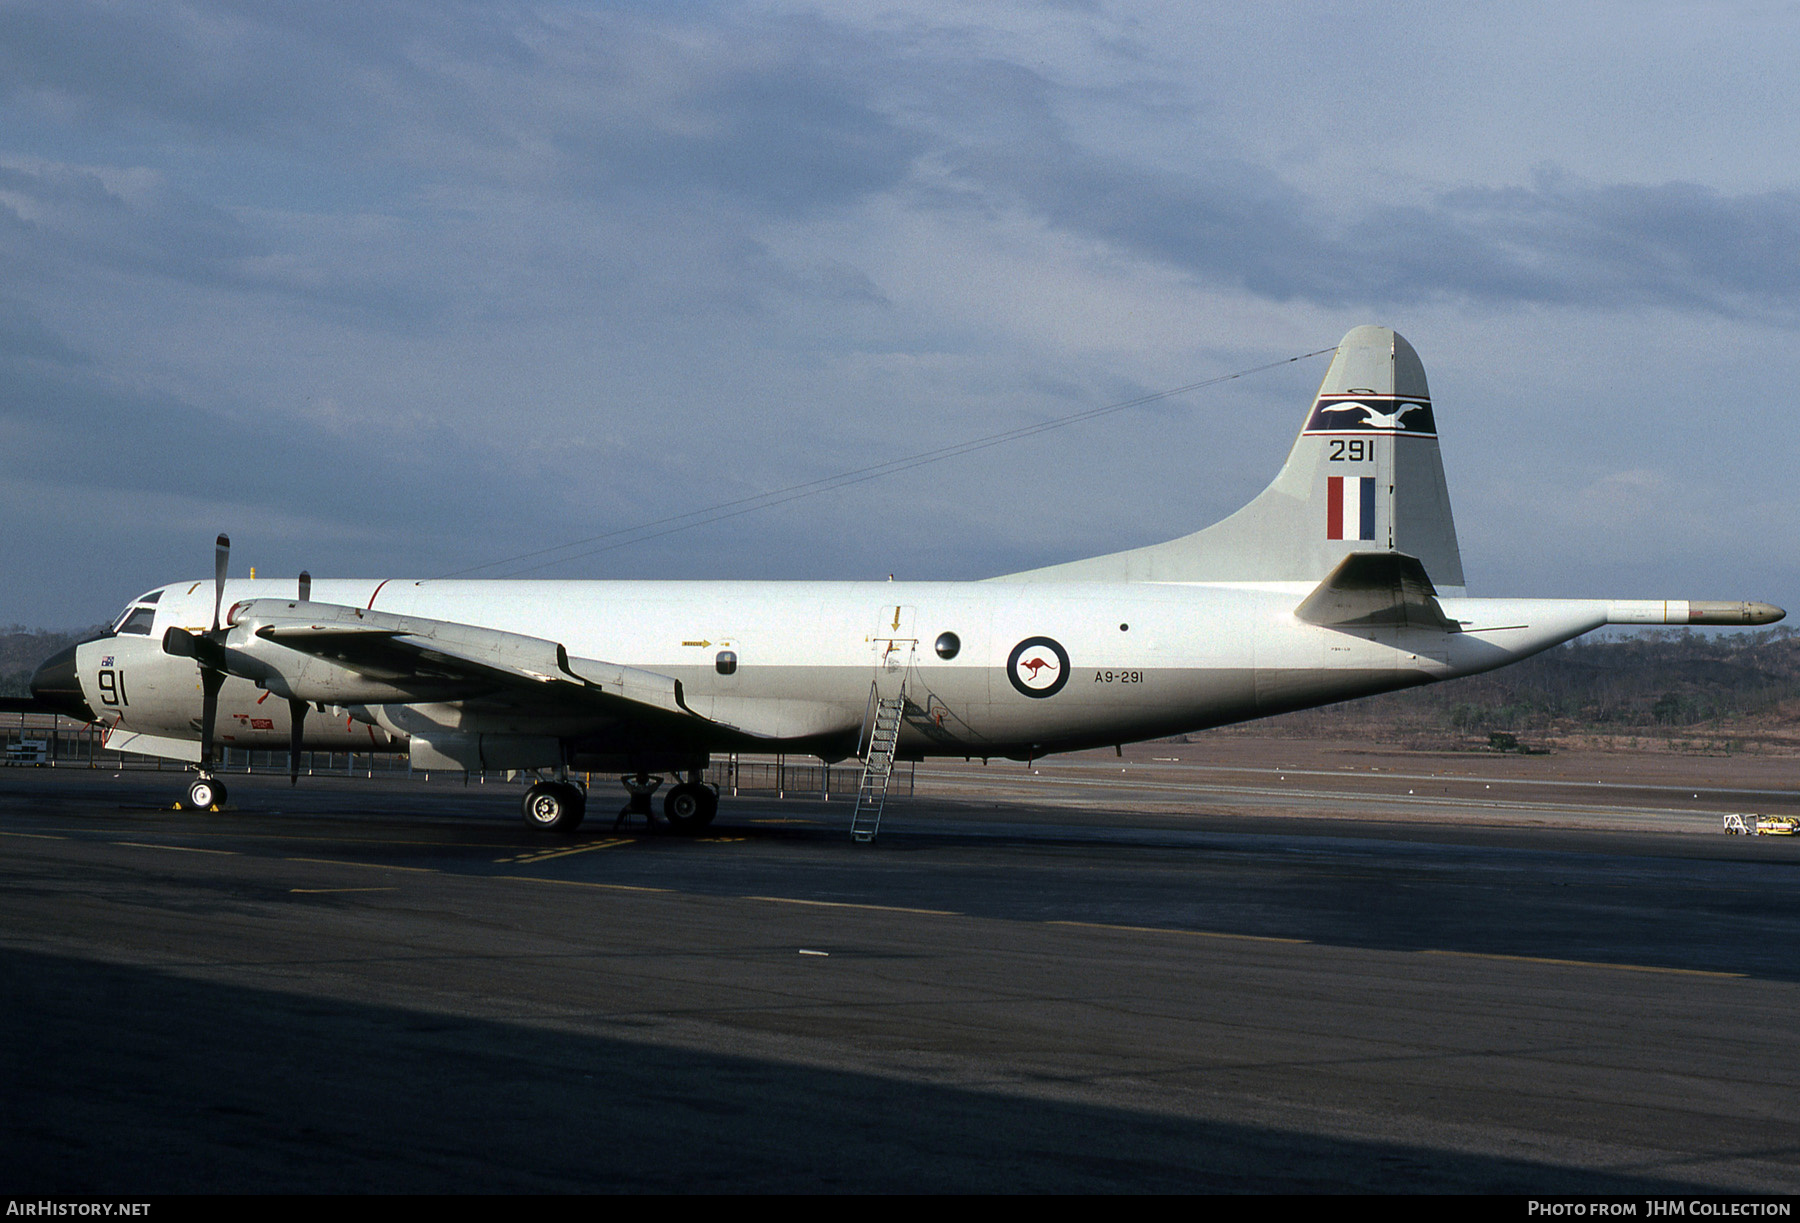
[396,288]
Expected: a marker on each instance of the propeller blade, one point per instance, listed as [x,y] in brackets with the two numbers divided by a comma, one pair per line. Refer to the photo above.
[305,586]
[210,682]
[296,720]
[220,557]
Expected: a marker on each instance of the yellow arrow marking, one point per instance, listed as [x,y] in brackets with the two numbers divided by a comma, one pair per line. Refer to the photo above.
[547,854]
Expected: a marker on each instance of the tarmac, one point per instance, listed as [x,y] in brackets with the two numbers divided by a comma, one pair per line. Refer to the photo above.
[1268,968]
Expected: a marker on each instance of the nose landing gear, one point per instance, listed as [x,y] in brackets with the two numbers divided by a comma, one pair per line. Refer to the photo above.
[206,793]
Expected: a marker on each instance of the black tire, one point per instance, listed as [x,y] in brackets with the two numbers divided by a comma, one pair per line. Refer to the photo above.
[554,806]
[689,807]
[206,793]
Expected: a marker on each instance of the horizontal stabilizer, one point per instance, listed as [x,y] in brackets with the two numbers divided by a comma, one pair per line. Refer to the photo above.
[1376,590]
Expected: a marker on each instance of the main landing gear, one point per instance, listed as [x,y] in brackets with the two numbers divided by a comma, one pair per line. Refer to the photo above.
[690,806]
[555,806]
[558,806]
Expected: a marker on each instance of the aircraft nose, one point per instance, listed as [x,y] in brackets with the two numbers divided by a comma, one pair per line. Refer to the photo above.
[55,686]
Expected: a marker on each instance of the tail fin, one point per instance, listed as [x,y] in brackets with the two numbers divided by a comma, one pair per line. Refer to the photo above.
[1364,476]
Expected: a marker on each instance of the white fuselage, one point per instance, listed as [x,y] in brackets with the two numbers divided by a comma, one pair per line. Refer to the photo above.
[1143,659]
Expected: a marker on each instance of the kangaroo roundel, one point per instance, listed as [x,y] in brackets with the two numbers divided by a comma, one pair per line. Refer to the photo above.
[1038,666]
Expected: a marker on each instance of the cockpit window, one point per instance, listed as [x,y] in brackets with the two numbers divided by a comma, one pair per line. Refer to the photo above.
[152,597]
[138,621]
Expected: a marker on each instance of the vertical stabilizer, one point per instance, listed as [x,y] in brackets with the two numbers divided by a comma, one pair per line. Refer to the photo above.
[1364,476]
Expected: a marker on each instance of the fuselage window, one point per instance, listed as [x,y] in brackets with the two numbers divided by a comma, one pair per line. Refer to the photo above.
[948,645]
[726,662]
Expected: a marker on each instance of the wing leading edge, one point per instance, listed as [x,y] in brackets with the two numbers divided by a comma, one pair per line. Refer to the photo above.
[354,655]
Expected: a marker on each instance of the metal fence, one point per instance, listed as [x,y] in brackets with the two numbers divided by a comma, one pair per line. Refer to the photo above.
[786,777]
[53,741]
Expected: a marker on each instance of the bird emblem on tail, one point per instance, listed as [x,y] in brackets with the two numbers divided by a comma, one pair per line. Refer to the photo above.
[1373,417]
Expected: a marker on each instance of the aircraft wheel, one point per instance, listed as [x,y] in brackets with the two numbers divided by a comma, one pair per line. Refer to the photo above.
[554,806]
[689,807]
[206,793]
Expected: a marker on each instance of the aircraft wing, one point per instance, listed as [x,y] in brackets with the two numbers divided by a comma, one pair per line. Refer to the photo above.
[442,660]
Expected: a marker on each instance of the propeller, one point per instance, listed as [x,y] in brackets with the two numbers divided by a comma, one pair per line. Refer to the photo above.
[221,562]
[296,731]
[297,709]
[212,669]
[208,650]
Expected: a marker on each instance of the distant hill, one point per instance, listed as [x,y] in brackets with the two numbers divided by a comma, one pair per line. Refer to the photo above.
[23,649]
[1742,688]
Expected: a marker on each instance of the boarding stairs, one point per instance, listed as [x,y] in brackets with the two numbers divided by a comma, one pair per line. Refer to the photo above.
[878,766]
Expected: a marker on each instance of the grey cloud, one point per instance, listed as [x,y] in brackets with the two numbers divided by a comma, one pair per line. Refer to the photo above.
[1557,241]
[105,442]
[790,142]
[58,222]
[24,335]
[758,112]
[223,68]
[1226,221]
[73,213]
[701,114]
[769,116]
[1670,244]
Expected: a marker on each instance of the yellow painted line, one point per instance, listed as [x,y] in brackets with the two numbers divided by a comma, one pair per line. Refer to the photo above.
[840,904]
[186,849]
[582,883]
[547,854]
[1537,959]
[1246,938]
[380,866]
[322,891]
[356,842]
